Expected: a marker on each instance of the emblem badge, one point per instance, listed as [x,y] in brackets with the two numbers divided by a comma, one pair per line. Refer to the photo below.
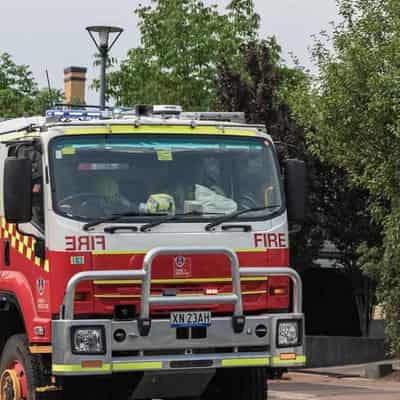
[182,267]
[41,286]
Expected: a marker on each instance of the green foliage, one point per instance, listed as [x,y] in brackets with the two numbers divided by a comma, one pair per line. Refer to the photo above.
[258,89]
[354,109]
[263,89]
[19,94]
[16,88]
[182,42]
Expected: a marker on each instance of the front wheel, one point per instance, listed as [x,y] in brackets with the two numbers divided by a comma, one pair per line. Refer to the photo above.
[238,384]
[20,372]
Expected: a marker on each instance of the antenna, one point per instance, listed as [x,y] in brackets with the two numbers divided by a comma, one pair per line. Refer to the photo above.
[49,87]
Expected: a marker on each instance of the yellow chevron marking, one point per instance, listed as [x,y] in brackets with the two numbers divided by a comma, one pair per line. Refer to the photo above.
[136,296]
[20,243]
[162,129]
[142,365]
[143,252]
[179,281]
[118,252]
[244,362]
[252,250]
[79,368]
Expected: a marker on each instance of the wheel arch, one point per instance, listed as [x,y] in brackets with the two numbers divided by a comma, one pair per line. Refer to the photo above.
[11,316]
[20,310]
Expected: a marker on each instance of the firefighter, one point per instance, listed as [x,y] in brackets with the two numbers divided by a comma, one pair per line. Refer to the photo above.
[212,175]
[111,199]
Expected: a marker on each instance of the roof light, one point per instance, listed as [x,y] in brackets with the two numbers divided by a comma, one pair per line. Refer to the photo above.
[236,117]
[167,109]
[73,114]
[144,110]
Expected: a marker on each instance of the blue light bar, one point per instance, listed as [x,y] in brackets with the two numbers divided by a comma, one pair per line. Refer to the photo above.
[73,114]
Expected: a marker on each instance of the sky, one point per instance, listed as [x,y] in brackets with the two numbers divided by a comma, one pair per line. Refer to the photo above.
[50,34]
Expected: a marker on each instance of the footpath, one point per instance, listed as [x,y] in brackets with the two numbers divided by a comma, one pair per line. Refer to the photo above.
[337,383]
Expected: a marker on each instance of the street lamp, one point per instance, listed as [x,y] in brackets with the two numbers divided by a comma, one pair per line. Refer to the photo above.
[106,35]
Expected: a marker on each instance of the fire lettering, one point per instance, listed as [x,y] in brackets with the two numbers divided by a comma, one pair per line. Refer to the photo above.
[270,240]
[85,243]
[99,242]
[70,243]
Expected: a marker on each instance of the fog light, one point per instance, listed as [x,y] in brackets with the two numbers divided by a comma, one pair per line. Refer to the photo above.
[288,333]
[88,340]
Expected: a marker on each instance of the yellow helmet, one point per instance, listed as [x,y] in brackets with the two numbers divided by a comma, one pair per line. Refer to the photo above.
[160,202]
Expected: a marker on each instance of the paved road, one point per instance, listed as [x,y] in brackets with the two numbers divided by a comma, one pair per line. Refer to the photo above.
[306,386]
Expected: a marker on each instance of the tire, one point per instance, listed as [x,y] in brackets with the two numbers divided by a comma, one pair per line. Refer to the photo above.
[276,373]
[16,349]
[238,384]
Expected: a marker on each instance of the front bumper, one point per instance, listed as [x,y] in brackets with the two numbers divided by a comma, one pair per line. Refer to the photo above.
[161,350]
[151,344]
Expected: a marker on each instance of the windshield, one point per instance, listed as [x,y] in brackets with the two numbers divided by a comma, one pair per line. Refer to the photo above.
[98,176]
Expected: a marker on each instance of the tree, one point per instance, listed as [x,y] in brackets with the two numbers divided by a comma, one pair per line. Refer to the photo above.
[182,42]
[19,93]
[336,213]
[255,90]
[347,223]
[355,109]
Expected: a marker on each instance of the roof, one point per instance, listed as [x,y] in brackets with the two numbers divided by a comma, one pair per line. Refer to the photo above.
[132,124]
[20,124]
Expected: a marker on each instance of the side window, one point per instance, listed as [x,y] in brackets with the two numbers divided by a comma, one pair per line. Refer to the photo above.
[37,181]
[37,190]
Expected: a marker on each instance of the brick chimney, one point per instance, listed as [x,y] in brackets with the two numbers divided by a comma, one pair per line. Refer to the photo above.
[74,85]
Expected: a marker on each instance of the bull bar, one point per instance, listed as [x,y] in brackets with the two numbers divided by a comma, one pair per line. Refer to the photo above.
[145,336]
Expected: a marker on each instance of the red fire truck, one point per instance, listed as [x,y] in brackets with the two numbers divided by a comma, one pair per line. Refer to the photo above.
[144,254]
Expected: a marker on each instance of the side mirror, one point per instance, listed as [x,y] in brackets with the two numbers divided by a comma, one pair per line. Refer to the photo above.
[296,190]
[17,190]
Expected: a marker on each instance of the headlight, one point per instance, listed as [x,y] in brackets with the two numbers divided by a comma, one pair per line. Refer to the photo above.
[88,340]
[288,333]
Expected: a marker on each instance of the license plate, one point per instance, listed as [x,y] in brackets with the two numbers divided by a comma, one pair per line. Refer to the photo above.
[190,319]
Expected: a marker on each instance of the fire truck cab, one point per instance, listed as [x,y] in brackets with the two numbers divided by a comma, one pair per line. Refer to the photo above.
[145,254]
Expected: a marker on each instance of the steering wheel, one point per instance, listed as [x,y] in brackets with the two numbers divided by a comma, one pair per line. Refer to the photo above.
[248,201]
[84,196]
[82,200]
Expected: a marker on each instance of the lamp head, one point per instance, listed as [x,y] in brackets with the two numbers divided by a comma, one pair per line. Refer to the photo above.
[104,34]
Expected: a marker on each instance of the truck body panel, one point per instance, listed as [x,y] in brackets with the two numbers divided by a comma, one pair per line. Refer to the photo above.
[73,274]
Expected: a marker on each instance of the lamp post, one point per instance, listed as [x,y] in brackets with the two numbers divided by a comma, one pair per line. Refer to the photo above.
[107,36]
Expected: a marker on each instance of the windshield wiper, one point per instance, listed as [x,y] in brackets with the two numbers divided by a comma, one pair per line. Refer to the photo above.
[229,217]
[175,217]
[116,217]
